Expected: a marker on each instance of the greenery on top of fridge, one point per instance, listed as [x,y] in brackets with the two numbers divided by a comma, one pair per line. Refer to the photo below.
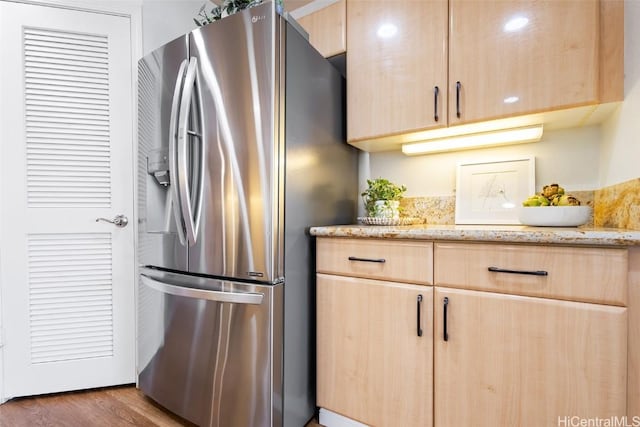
[210,12]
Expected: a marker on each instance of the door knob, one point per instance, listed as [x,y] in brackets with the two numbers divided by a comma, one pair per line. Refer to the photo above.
[118,220]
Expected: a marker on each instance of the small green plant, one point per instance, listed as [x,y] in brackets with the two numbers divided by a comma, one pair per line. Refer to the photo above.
[228,7]
[381,189]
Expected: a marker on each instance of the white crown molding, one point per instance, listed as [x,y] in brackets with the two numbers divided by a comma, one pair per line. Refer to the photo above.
[129,8]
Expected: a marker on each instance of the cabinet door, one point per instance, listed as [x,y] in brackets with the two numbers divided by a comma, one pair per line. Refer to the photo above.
[373,366]
[327,28]
[397,56]
[523,361]
[521,56]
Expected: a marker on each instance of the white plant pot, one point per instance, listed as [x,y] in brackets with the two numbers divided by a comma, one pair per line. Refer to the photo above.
[386,209]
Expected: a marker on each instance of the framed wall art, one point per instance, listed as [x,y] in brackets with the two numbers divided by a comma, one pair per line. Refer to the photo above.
[490,192]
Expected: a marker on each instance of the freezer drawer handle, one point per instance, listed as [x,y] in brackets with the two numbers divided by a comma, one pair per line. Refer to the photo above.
[220,296]
[531,273]
[378,260]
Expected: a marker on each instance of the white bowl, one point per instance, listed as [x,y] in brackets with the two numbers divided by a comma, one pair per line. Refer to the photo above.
[554,216]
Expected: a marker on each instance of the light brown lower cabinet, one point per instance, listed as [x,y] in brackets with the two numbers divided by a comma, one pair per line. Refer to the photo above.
[521,361]
[512,335]
[373,365]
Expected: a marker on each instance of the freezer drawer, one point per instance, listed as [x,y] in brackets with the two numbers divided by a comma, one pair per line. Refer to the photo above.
[206,348]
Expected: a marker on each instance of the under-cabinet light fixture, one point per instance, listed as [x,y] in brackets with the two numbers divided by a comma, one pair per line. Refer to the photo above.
[477,140]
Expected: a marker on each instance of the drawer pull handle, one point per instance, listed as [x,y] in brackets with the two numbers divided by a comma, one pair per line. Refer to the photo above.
[445,334]
[531,273]
[419,309]
[378,260]
[436,92]
[458,88]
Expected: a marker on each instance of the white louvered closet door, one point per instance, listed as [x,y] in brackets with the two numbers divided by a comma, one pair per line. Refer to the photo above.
[66,159]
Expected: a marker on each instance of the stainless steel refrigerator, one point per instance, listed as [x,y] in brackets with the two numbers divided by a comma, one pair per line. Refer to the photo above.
[241,150]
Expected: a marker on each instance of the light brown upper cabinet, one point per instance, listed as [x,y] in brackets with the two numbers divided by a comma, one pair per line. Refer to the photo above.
[291,5]
[488,60]
[327,28]
[396,57]
[515,57]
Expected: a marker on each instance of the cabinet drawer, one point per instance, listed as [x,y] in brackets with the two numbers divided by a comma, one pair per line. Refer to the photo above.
[394,260]
[596,275]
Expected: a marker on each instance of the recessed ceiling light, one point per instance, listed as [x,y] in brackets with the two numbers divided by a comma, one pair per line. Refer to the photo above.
[386,31]
[511,99]
[515,24]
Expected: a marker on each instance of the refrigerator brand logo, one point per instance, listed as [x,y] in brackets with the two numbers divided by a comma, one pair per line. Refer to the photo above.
[255,274]
[255,19]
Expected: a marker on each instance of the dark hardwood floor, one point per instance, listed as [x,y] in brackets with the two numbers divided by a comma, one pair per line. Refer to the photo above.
[105,407]
[113,406]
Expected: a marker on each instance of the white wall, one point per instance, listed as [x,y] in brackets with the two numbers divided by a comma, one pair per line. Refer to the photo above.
[569,157]
[164,20]
[580,159]
[620,156]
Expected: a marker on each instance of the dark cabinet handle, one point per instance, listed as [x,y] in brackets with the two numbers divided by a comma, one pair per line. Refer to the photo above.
[419,310]
[531,273]
[379,260]
[445,333]
[436,92]
[458,87]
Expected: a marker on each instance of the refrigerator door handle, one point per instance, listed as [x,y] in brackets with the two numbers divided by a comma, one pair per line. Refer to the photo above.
[183,157]
[201,129]
[219,296]
[173,161]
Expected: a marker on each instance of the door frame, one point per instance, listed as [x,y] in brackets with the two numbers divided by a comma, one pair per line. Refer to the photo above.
[132,9]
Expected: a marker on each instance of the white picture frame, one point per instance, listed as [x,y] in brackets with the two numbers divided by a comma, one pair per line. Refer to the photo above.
[490,192]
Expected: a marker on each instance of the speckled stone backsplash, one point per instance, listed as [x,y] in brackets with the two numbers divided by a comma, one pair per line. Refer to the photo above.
[618,206]
[441,210]
[433,210]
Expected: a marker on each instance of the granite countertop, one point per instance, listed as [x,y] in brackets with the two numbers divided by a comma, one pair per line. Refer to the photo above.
[489,233]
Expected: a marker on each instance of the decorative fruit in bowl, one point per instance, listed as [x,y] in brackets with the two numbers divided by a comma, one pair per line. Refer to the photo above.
[553,208]
[557,216]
